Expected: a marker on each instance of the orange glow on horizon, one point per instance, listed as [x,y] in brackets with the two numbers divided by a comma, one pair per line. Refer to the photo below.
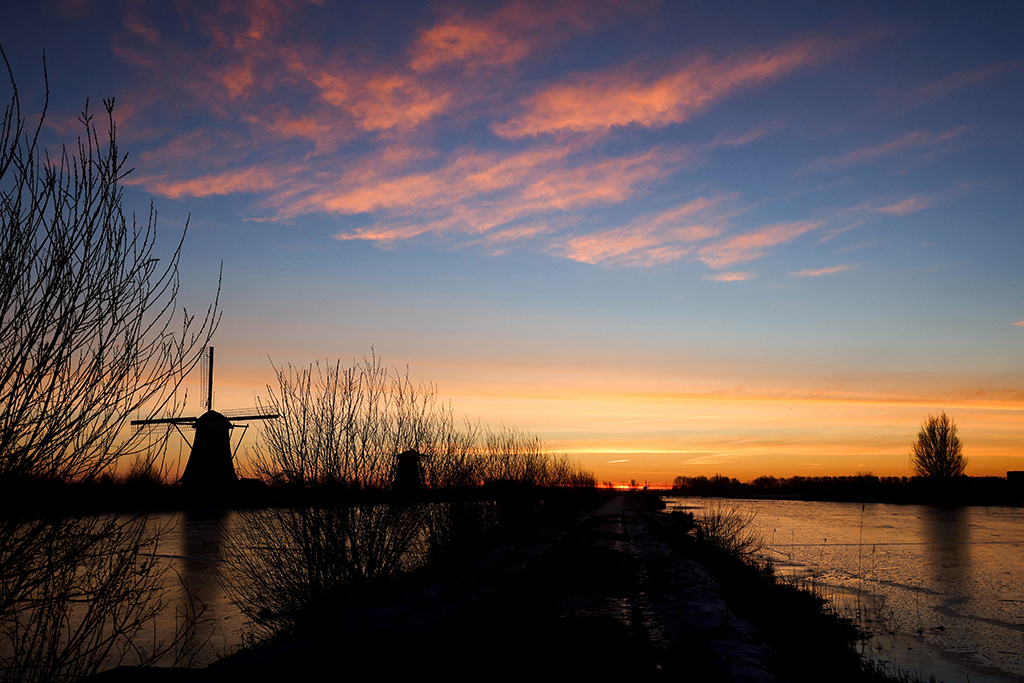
[655,435]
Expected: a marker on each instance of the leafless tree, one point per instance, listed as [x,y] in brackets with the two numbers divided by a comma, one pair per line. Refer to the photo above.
[339,431]
[938,451]
[90,334]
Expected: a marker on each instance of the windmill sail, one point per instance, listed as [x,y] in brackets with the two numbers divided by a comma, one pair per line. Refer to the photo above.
[206,379]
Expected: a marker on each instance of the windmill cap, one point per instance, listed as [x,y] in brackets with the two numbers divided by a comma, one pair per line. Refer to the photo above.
[211,419]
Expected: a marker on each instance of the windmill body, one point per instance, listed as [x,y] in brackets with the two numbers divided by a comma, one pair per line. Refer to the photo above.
[210,465]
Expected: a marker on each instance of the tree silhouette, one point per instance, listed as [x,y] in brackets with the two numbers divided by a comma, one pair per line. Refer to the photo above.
[90,333]
[938,451]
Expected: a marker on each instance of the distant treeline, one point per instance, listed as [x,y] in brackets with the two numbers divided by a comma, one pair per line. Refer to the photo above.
[859,488]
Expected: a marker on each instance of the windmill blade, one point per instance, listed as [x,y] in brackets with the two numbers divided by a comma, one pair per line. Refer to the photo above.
[156,424]
[165,421]
[149,428]
[239,414]
[206,379]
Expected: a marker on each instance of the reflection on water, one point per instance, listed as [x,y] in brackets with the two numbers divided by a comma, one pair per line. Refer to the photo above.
[255,570]
[947,534]
[947,583]
[194,548]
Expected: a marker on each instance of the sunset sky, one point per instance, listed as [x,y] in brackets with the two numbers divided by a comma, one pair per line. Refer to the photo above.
[667,237]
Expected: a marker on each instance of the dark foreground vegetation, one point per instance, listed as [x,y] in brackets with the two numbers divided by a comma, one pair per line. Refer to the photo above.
[548,592]
[91,333]
[862,488]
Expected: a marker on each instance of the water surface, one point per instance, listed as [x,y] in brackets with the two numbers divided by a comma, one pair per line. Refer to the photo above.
[942,589]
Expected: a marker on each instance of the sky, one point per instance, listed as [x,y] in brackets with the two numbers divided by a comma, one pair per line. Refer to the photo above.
[668,238]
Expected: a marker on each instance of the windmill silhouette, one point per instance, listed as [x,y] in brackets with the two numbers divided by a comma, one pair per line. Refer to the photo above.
[211,461]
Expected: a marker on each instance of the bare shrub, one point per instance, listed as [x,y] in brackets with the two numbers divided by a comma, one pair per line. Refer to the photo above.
[729,529]
[90,333]
[344,426]
[339,432]
[285,564]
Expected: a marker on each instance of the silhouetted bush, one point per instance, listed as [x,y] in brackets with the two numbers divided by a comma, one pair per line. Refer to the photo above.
[90,333]
[343,529]
[342,428]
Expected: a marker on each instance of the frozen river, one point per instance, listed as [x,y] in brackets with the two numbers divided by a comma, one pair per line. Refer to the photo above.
[943,588]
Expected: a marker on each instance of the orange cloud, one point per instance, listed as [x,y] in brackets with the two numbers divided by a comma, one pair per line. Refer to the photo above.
[649,240]
[228,182]
[908,206]
[872,153]
[379,101]
[752,245]
[1020,324]
[964,78]
[600,101]
[822,271]
[474,193]
[460,40]
[729,277]
[505,36]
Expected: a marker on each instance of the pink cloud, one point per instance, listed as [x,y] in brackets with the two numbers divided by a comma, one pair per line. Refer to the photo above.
[506,35]
[822,271]
[947,85]
[313,129]
[475,193]
[1020,324]
[746,138]
[377,100]
[461,40]
[228,182]
[914,140]
[636,245]
[908,206]
[753,245]
[599,101]
[729,277]
[649,240]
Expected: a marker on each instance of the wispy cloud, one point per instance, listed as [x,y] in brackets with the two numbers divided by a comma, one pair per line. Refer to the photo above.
[871,153]
[234,181]
[504,36]
[729,277]
[738,140]
[651,239]
[599,101]
[308,128]
[822,271]
[753,245]
[942,87]
[908,206]
[1020,324]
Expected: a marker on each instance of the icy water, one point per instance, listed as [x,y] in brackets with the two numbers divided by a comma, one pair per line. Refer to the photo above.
[193,547]
[941,589]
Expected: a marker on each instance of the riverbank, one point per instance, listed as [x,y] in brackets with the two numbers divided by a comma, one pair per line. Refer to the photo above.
[862,488]
[611,592]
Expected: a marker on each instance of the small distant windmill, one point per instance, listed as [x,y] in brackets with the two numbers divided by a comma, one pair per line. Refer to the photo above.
[211,461]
